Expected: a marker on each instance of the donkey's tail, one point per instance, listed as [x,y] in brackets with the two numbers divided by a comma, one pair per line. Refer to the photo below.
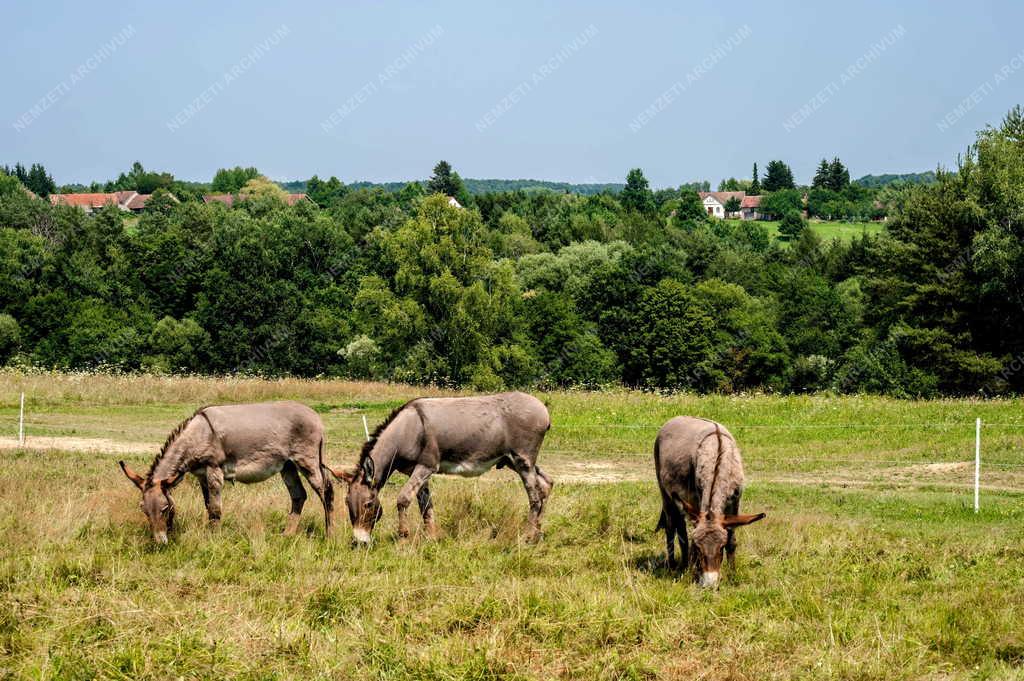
[326,474]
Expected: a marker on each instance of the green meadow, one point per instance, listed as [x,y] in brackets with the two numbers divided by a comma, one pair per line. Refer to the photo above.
[871,563]
[828,231]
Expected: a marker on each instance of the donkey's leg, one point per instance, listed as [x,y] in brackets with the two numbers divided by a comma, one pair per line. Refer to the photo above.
[732,507]
[410,490]
[214,483]
[684,544]
[668,523]
[200,474]
[290,475]
[536,491]
[545,482]
[427,509]
[321,484]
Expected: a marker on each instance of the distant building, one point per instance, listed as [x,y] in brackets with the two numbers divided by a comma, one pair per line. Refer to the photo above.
[714,202]
[87,202]
[453,203]
[128,201]
[750,208]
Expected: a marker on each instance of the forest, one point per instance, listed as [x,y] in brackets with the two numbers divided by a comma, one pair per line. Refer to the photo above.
[522,288]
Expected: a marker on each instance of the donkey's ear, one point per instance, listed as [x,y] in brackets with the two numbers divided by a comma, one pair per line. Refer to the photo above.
[691,510]
[168,483]
[737,520]
[368,470]
[342,474]
[137,479]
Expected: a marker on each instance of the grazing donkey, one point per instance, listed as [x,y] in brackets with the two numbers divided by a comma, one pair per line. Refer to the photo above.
[240,442]
[464,436]
[700,474]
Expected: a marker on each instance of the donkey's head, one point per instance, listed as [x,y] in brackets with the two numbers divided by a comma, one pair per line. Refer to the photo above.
[710,535]
[363,500]
[156,503]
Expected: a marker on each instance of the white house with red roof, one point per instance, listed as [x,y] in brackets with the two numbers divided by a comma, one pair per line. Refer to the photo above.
[714,204]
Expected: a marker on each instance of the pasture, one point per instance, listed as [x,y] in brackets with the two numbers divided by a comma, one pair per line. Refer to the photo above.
[828,231]
[871,563]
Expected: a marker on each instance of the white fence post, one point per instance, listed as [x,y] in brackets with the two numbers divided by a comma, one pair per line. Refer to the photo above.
[366,429]
[977,464]
[21,422]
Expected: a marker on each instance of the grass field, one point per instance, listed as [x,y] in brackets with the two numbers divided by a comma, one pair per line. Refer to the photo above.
[844,231]
[870,565]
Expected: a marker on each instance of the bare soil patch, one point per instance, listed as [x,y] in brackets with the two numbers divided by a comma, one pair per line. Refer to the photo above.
[77,444]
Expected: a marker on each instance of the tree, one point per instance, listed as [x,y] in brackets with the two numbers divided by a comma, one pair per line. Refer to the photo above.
[445,181]
[777,204]
[838,175]
[231,180]
[637,195]
[262,188]
[10,337]
[822,176]
[35,179]
[778,176]
[755,183]
[670,344]
[690,209]
[792,225]
[323,193]
[568,348]
[732,205]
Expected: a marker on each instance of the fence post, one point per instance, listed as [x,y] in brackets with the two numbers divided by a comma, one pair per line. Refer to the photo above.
[977,463]
[21,422]
[366,429]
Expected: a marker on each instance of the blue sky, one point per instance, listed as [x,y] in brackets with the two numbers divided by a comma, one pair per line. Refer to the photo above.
[877,80]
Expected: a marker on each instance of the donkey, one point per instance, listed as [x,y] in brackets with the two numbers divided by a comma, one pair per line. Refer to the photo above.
[465,436]
[237,443]
[700,474]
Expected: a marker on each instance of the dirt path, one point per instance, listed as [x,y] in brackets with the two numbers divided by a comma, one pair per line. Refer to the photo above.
[78,444]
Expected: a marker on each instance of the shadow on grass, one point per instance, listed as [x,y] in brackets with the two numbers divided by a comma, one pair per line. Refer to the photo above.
[656,565]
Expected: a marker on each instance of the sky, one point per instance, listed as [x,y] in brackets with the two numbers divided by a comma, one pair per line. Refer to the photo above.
[567,91]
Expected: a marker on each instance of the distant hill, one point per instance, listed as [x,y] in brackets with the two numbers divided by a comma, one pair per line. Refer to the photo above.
[878,181]
[484,186]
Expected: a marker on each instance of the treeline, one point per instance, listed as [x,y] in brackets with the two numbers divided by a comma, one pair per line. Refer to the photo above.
[530,289]
[879,181]
[475,186]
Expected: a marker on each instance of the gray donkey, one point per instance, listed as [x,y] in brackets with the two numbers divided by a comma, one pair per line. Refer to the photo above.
[700,474]
[241,442]
[464,436]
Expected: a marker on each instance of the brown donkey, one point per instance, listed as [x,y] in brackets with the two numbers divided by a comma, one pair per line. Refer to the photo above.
[237,443]
[700,474]
[464,436]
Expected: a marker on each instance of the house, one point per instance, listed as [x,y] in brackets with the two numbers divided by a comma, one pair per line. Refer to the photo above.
[453,203]
[129,201]
[87,202]
[714,202]
[227,199]
[750,208]
[230,199]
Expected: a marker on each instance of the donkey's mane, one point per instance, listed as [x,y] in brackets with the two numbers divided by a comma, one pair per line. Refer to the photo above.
[170,440]
[372,442]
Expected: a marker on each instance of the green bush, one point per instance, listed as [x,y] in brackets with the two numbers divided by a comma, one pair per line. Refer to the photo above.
[10,337]
[792,226]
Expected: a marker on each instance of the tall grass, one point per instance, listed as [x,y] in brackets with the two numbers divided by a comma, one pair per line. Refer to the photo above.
[889,579]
